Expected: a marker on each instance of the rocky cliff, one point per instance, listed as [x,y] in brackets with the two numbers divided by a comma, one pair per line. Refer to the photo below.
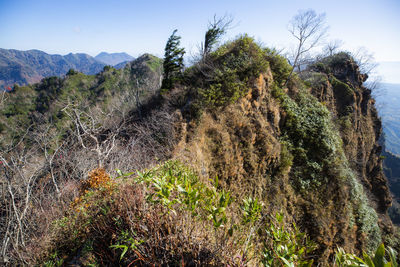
[316,158]
[353,111]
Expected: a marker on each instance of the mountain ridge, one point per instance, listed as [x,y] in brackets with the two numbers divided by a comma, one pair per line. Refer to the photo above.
[24,67]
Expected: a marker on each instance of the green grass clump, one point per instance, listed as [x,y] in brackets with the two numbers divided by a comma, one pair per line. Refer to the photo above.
[176,187]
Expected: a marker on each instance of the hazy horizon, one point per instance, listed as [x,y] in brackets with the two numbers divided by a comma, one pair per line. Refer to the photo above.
[137,27]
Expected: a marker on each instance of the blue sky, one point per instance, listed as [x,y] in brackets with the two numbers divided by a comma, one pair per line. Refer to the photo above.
[136,26]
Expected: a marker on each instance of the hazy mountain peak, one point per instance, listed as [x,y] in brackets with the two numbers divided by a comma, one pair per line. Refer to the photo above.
[113,58]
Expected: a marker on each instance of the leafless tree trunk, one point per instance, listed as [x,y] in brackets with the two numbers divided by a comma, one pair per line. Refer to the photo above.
[3,98]
[44,139]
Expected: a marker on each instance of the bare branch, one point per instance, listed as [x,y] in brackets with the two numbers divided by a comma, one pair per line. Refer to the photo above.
[332,47]
[365,60]
[90,132]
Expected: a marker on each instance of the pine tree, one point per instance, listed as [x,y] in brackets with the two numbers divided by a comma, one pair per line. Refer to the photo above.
[173,61]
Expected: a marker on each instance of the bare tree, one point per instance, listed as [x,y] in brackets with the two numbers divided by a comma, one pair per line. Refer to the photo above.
[365,60]
[3,98]
[374,83]
[91,133]
[332,47]
[20,170]
[46,139]
[309,29]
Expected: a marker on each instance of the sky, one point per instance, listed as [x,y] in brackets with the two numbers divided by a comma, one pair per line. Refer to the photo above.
[139,26]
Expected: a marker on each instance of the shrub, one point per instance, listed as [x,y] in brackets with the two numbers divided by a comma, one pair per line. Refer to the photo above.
[228,71]
[98,178]
[71,72]
[310,137]
[279,66]
[332,64]
[366,217]
[141,220]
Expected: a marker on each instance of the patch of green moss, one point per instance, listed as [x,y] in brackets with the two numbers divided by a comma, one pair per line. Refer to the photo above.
[344,88]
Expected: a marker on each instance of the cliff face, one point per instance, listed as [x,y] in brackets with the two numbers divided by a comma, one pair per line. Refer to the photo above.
[268,145]
[360,127]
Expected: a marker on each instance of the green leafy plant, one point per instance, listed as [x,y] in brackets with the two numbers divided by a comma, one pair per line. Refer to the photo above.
[216,205]
[176,187]
[54,261]
[126,242]
[251,210]
[190,194]
[343,259]
[164,187]
[285,245]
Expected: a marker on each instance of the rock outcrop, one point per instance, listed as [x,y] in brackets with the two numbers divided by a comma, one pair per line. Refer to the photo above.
[246,145]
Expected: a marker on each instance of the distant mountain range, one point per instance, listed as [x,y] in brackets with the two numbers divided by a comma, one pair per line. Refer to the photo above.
[113,59]
[24,67]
